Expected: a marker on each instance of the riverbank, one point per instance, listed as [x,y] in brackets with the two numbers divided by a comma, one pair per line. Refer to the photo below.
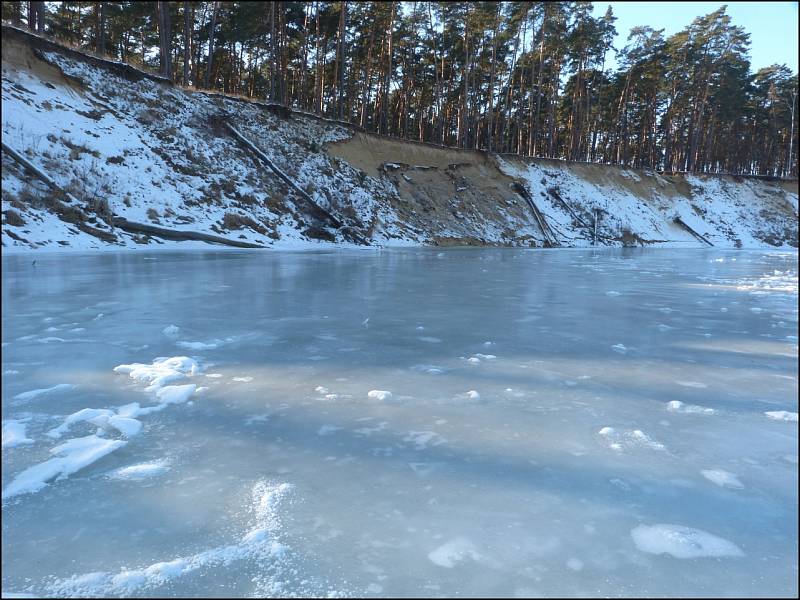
[116,145]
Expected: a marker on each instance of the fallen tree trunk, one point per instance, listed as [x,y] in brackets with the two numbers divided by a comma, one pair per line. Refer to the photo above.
[288,181]
[549,236]
[29,166]
[699,236]
[178,235]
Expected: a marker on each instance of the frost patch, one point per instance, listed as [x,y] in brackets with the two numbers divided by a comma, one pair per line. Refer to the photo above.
[677,406]
[631,438]
[692,384]
[682,542]
[26,396]
[259,544]
[782,415]
[14,434]
[422,439]
[140,471]
[722,478]
[453,552]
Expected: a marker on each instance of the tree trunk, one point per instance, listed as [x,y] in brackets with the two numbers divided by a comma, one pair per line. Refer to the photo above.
[366,84]
[462,114]
[533,119]
[210,61]
[40,16]
[16,13]
[100,34]
[388,74]
[162,9]
[341,58]
[187,42]
[490,120]
[318,65]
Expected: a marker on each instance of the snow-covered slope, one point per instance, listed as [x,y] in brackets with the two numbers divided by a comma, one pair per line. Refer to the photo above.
[640,207]
[137,153]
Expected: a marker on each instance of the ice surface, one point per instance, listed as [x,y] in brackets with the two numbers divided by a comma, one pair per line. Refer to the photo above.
[27,396]
[485,479]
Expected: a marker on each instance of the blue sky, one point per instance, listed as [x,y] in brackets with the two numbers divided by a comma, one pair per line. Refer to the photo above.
[772,25]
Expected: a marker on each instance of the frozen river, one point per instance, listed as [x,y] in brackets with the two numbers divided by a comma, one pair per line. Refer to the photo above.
[401,423]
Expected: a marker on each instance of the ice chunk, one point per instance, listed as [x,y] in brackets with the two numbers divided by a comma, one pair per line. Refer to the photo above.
[71,456]
[175,394]
[170,331]
[379,395]
[14,434]
[682,542]
[612,293]
[133,410]
[85,414]
[162,371]
[127,426]
[722,478]
[619,348]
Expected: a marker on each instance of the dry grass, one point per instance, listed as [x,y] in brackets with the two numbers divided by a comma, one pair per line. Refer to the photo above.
[238,221]
[13,218]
